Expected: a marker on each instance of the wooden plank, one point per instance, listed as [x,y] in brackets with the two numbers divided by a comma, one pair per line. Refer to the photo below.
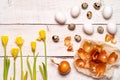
[43,11]
[30,33]
[52,70]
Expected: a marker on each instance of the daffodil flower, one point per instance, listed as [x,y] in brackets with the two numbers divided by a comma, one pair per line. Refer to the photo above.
[33,46]
[43,68]
[19,42]
[14,53]
[32,74]
[4,40]
[42,35]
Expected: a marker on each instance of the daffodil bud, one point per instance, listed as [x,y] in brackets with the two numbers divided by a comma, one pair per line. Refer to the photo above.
[19,41]
[14,52]
[42,34]
[4,40]
[33,46]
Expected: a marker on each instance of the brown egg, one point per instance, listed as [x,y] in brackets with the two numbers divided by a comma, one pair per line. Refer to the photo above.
[64,68]
[102,57]
[100,69]
[112,58]
[80,63]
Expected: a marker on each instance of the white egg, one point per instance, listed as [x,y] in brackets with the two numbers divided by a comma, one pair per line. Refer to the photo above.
[111,28]
[107,12]
[75,11]
[60,18]
[88,28]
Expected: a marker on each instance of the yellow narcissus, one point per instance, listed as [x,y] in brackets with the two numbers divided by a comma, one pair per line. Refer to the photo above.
[33,46]
[14,52]
[4,39]
[42,36]
[19,41]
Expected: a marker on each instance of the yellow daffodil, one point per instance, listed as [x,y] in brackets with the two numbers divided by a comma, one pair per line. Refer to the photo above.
[33,46]
[4,40]
[43,70]
[42,35]
[14,52]
[19,41]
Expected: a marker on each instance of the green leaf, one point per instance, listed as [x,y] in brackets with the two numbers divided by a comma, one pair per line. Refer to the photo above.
[45,70]
[29,68]
[25,76]
[42,72]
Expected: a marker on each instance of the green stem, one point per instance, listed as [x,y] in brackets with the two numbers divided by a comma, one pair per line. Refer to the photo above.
[45,57]
[21,63]
[5,66]
[34,67]
[14,70]
[29,68]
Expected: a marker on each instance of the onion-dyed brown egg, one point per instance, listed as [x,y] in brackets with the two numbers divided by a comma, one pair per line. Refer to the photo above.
[112,58]
[64,68]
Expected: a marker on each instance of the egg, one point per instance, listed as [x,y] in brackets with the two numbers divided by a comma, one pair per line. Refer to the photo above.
[88,29]
[75,11]
[112,28]
[60,18]
[107,12]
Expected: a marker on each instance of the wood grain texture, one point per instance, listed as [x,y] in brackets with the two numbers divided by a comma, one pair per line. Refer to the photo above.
[26,17]
[43,11]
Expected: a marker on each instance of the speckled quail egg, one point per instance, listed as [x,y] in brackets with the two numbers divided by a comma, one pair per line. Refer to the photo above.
[71,26]
[55,38]
[100,29]
[84,5]
[77,38]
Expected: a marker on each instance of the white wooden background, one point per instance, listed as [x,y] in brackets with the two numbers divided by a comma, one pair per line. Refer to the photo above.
[27,17]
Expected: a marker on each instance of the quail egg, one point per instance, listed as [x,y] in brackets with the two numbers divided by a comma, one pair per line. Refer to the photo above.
[55,38]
